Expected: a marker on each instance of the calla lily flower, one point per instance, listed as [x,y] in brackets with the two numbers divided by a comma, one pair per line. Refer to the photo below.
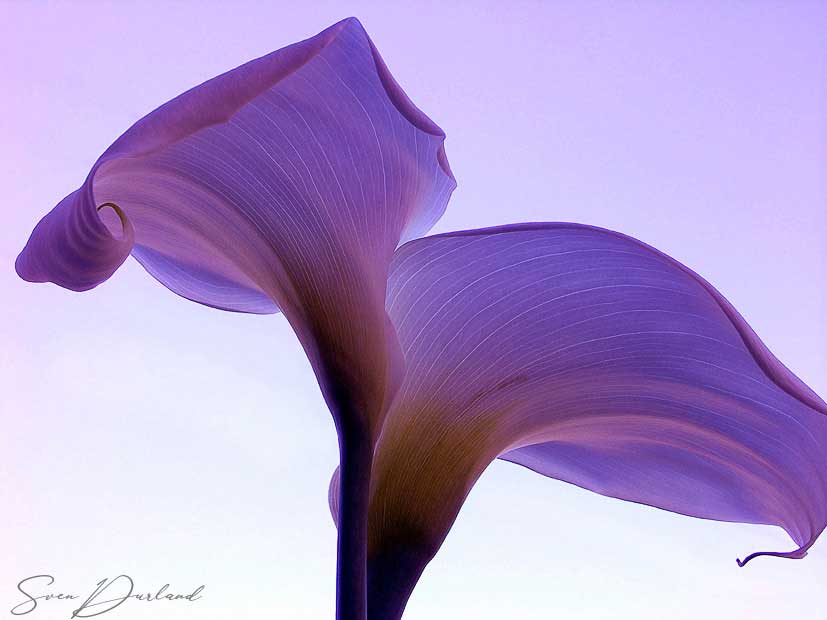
[285,184]
[589,357]
[291,184]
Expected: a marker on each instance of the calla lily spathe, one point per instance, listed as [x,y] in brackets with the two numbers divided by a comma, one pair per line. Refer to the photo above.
[592,358]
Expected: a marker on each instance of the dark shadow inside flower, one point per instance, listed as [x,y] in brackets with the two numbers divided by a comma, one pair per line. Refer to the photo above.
[114,219]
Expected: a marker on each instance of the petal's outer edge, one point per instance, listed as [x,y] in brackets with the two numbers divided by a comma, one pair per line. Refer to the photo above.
[796,554]
[408,109]
[256,304]
[420,120]
[217,99]
[775,370]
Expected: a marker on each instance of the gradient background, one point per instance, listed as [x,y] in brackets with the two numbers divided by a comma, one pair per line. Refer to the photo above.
[145,434]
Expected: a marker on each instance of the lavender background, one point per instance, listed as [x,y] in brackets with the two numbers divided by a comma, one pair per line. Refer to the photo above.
[145,434]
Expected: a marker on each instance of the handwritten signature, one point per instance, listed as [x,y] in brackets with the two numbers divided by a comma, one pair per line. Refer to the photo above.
[109,594]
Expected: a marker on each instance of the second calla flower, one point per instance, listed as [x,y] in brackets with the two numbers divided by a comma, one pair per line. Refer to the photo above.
[592,358]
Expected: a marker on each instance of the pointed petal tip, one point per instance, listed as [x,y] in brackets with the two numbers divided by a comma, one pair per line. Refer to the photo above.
[351,21]
[798,554]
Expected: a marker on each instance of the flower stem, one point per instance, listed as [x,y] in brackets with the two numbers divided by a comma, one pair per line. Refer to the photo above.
[355,460]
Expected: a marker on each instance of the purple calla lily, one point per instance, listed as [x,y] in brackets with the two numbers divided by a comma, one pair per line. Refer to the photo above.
[286,183]
[291,184]
[592,358]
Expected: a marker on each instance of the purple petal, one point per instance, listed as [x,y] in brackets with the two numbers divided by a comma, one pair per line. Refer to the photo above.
[285,183]
[591,358]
